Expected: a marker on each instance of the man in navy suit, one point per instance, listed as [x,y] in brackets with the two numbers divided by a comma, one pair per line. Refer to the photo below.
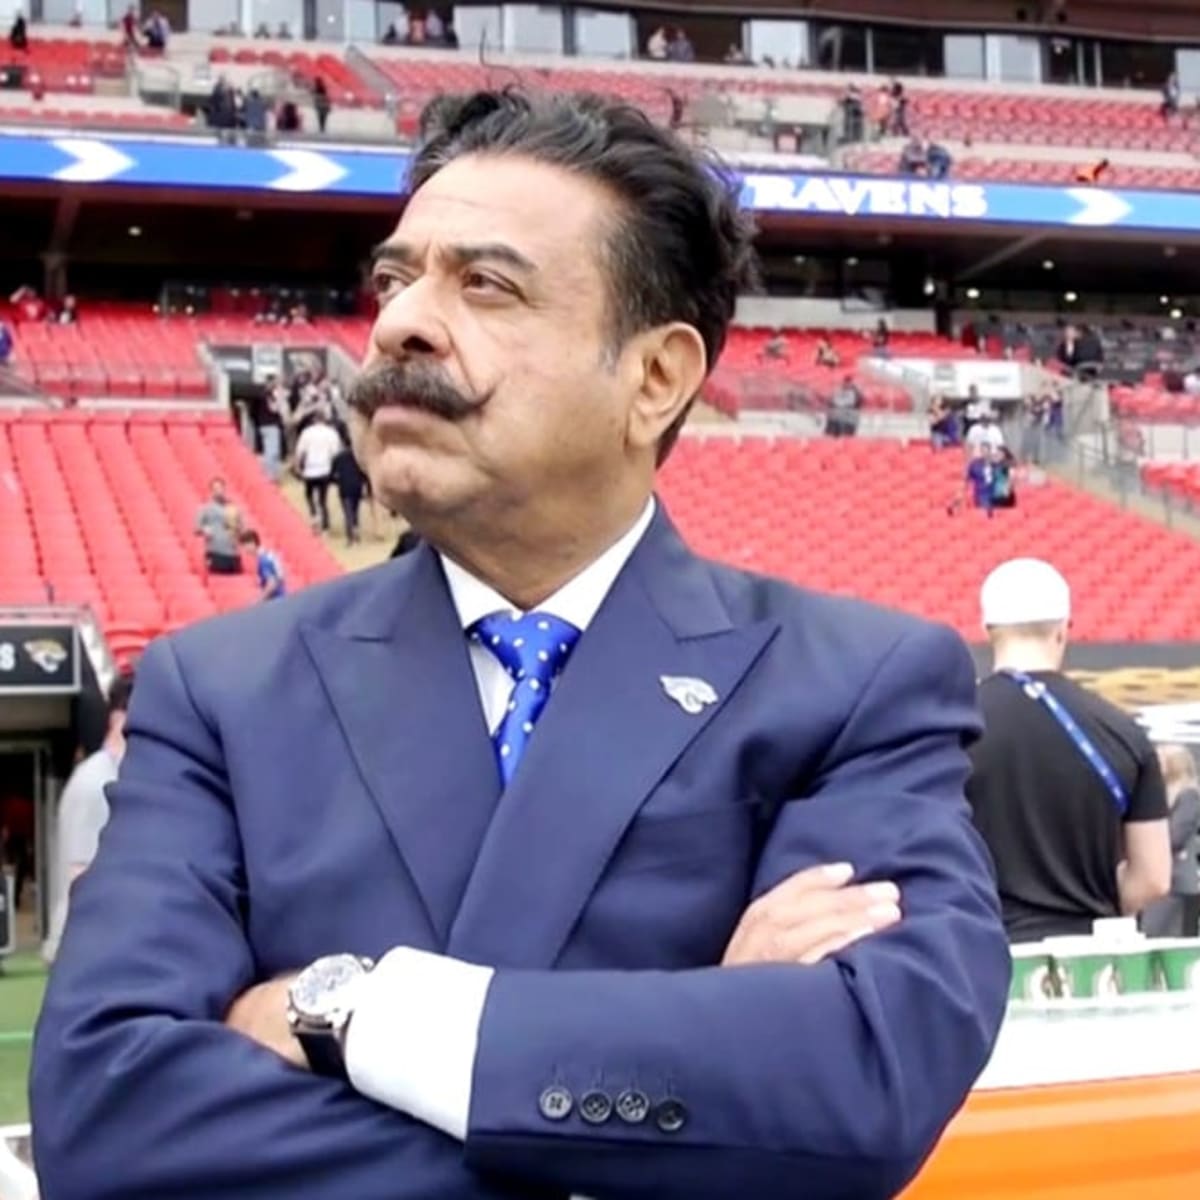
[548,859]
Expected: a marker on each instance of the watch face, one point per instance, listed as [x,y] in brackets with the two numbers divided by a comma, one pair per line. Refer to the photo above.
[322,988]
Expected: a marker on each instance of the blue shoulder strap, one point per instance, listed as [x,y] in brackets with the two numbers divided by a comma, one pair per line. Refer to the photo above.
[1036,690]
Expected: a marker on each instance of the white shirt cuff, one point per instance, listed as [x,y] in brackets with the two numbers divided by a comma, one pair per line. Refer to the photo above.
[412,1038]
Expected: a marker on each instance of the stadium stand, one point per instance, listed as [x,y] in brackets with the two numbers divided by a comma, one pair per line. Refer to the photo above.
[100,508]
[127,352]
[52,64]
[1011,167]
[769,369]
[869,518]
[346,86]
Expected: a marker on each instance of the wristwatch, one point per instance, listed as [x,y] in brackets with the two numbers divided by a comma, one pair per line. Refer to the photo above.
[320,1005]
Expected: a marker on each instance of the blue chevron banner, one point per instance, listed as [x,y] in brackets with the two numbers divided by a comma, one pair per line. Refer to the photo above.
[381,173]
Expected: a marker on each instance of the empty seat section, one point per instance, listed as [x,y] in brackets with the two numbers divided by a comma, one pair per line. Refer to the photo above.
[100,509]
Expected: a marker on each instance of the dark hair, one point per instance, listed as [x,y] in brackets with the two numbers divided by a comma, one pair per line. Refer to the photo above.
[681,250]
[120,692]
[249,537]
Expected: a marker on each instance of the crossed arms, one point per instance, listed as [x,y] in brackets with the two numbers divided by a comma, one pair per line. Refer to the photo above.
[845,1071]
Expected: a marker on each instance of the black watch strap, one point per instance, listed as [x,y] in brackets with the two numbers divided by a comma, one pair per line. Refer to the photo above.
[324,1052]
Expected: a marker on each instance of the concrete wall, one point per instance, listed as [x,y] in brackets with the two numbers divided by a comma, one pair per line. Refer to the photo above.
[780,312]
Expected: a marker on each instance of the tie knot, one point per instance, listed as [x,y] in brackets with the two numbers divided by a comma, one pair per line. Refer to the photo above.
[534,647]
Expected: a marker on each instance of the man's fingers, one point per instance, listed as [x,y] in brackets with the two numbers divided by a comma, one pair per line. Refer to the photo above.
[804,933]
[780,908]
[820,878]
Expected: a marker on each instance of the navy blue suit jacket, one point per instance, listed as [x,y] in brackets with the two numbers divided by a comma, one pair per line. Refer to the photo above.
[314,775]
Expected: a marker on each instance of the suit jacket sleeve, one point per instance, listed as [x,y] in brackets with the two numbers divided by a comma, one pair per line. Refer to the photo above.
[842,1075]
[138,1090]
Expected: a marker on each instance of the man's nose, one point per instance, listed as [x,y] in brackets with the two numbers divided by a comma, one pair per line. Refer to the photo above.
[411,325]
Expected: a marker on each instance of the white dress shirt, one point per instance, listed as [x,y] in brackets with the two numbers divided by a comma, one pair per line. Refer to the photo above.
[412,1040]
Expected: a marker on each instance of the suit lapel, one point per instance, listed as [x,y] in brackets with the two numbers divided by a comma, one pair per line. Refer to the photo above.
[608,735]
[397,672]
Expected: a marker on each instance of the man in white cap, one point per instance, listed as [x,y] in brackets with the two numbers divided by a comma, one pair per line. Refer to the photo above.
[1066,789]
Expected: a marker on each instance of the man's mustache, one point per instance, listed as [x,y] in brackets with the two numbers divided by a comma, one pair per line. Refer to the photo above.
[411,385]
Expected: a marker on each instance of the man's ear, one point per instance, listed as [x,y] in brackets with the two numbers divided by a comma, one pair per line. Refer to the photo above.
[671,363]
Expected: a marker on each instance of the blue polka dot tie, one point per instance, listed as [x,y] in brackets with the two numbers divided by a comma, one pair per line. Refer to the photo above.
[532,649]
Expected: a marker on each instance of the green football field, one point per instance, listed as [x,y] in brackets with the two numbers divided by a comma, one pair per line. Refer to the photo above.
[21,985]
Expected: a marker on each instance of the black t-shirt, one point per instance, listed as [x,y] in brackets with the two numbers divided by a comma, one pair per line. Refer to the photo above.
[1053,828]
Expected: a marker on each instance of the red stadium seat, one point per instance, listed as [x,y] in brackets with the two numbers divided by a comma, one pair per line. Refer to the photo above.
[100,510]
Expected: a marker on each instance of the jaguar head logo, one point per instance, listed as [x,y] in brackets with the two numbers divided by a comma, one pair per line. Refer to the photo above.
[47,654]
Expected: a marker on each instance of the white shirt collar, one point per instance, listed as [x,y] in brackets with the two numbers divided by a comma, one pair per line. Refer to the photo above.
[577,601]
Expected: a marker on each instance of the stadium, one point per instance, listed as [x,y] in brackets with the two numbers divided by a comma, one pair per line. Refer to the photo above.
[972,211]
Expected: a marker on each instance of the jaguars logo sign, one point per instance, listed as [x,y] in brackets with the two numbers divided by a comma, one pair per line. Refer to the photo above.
[47,654]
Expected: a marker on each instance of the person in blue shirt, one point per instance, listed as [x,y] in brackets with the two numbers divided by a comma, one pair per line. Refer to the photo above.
[980,477]
[270,573]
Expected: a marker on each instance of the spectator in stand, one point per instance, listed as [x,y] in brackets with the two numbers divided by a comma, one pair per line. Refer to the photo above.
[844,408]
[680,48]
[83,811]
[1171,96]
[6,343]
[351,486]
[271,583]
[826,355]
[30,307]
[287,119]
[1178,914]
[268,409]
[985,433]
[221,108]
[391,36]
[219,524]
[943,424]
[68,313]
[656,44]
[735,56]
[881,111]
[284,32]
[321,103]
[316,449]
[435,28]
[975,410]
[254,114]
[898,120]
[775,349]
[157,31]
[1093,172]
[852,114]
[977,481]
[1035,414]
[264,30]
[18,35]
[880,339]
[938,161]
[129,28]
[1004,487]
[914,159]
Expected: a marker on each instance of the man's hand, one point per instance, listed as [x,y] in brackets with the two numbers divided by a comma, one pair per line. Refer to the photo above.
[261,1015]
[810,916]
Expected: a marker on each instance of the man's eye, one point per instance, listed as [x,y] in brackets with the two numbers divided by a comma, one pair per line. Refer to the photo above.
[477,281]
[385,284]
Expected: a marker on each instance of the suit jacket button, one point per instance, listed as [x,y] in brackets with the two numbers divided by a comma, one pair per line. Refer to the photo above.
[555,1104]
[595,1107]
[670,1116]
[633,1107]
